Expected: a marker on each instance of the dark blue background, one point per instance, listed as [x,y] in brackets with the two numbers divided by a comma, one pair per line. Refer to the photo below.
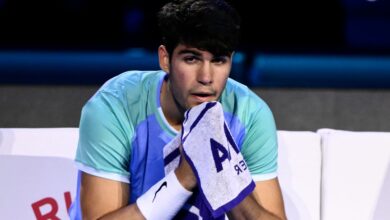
[290,26]
[302,43]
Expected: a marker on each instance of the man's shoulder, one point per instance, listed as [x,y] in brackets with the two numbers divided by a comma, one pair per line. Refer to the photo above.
[240,95]
[127,95]
[130,86]
[131,80]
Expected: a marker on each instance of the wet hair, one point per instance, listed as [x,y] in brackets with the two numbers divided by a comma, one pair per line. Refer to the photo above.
[211,25]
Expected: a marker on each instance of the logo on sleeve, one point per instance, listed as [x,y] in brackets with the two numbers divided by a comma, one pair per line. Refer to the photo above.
[162,185]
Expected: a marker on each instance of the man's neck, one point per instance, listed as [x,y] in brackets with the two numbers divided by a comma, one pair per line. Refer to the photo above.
[169,108]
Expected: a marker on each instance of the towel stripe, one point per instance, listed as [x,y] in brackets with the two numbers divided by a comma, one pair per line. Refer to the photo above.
[207,107]
[171,156]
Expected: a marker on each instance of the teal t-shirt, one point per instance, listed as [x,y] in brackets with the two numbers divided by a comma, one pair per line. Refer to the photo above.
[123,130]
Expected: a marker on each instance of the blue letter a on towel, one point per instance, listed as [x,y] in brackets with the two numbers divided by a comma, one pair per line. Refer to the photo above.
[216,148]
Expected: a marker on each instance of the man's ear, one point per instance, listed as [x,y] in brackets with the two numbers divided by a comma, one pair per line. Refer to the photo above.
[163,58]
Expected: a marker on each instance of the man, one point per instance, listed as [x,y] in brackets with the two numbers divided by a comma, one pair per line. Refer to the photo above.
[125,126]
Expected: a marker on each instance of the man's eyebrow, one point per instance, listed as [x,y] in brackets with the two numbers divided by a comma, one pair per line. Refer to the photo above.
[194,52]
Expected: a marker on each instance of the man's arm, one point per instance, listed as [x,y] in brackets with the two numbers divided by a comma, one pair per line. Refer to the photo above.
[106,199]
[269,195]
[265,202]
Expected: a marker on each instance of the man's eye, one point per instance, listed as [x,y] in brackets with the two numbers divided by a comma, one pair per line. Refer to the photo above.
[220,60]
[190,59]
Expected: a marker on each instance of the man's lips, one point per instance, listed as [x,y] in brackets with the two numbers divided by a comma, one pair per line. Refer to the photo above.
[203,97]
[202,94]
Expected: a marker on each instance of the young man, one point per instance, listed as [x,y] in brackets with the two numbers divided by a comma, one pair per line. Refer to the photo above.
[125,126]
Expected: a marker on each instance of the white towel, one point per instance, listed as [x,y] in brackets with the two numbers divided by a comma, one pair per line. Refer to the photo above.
[221,171]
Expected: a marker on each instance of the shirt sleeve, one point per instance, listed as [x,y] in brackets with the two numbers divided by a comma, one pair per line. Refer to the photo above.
[260,147]
[104,138]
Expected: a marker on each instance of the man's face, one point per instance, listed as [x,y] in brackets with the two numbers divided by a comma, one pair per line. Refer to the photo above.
[197,76]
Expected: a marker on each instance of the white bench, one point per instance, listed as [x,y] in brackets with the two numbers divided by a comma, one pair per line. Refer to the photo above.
[324,175]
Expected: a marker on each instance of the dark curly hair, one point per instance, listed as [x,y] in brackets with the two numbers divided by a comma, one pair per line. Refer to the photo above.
[211,25]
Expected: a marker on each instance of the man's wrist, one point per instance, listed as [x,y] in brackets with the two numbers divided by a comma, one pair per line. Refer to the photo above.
[187,180]
[185,175]
[164,199]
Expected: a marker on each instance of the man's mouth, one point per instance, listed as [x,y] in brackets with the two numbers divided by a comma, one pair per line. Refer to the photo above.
[202,97]
[202,94]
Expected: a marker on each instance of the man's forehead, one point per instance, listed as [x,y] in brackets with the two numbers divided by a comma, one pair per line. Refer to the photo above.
[185,49]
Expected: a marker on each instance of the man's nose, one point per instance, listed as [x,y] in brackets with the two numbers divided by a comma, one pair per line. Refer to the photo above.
[205,74]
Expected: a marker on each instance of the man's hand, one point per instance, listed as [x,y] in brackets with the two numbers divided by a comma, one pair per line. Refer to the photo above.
[250,209]
[265,202]
[184,173]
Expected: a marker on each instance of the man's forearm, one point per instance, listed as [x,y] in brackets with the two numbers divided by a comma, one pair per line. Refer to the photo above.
[249,208]
[128,212]
[162,201]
